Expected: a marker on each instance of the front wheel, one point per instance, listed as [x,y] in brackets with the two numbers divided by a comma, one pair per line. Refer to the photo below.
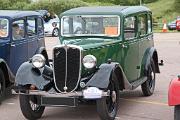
[30,107]
[149,86]
[107,107]
[177,112]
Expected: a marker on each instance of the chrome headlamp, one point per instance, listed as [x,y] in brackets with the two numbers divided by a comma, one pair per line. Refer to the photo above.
[38,61]
[89,61]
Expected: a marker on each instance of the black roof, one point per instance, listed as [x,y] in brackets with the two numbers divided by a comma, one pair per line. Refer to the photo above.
[107,10]
[42,12]
[16,14]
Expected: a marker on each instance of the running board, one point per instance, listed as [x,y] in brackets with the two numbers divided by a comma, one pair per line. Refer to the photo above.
[136,83]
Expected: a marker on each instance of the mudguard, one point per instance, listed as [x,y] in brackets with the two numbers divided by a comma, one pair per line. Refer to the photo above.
[151,53]
[101,78]
[40,50]
[6,68]
[173,93]
[25,76]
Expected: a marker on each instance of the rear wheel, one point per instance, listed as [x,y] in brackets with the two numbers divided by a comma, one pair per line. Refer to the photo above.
[55,32]
[30,107]
[177,112]
[149,86]
[2,85]
[107,107]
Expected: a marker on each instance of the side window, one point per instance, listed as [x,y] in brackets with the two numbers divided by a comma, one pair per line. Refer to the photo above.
[31,27]
[149,24]
[18,30]
[40,28]
[4,29]
[110,25]
[142,24]
[130,27]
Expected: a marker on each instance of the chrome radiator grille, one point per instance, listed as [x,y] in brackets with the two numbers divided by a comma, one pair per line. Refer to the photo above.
[67,67]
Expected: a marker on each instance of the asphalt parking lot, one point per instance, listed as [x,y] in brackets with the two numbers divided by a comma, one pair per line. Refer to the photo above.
[133,105]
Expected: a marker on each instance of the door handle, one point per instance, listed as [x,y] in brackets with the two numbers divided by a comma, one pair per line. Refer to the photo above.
[124,46]
[13,45]
[149,38]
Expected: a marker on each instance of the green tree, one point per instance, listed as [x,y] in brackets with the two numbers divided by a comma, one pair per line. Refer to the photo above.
[177,5]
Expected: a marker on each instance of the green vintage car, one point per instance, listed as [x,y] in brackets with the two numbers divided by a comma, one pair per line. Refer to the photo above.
[103,50]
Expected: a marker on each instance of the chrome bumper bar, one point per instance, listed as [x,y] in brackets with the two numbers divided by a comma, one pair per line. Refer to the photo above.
[53,94]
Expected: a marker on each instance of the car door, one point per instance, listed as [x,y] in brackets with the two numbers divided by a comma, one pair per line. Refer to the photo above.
[32,35]
[131,49]
[4,39]
[146,36]
[19,44]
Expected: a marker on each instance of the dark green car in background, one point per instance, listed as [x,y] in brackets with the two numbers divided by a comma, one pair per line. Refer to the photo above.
[104,50]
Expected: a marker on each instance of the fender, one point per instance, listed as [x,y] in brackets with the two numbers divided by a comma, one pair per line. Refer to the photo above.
[25,75]
[150,53]
[9,76]
[101,78]
[173,93]
[40,50]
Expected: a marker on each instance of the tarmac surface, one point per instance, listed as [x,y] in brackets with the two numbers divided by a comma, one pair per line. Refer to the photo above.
[133,105]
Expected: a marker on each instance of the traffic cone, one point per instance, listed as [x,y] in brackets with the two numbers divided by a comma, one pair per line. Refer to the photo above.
[164,27]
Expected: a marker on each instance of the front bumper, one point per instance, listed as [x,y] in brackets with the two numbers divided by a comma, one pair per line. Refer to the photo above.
[58,99]
[54,94]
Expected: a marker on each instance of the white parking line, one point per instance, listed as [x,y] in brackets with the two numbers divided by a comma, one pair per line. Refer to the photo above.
[10,103]
[147,102]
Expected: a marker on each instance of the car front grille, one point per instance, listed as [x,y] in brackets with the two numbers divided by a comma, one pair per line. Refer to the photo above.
[67,67]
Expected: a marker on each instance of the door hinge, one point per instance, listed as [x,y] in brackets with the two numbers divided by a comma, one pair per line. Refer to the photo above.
[138,67]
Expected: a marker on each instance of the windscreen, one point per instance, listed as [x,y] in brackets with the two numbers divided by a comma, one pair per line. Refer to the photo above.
[3,27]
[90,26]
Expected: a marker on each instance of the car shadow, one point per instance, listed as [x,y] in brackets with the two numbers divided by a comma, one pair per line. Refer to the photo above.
[82,112]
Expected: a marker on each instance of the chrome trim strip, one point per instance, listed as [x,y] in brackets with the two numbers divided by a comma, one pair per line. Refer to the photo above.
[80,65]
[66,69]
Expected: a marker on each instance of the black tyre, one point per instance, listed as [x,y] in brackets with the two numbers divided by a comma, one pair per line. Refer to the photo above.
[30,108]
[107,107]
[177,112]
[149,86]
[2,85]
[55,32]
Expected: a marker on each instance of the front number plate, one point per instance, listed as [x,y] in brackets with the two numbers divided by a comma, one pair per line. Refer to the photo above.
[55,101]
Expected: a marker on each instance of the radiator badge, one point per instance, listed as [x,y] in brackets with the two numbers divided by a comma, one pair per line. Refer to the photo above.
[57,53]
[65,88]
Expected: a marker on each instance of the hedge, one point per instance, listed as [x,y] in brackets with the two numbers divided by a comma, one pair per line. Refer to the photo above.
[56,6]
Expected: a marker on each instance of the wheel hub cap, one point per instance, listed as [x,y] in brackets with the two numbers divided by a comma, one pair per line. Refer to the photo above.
[152,75]
[113,96]
[56,32]
[34,106]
